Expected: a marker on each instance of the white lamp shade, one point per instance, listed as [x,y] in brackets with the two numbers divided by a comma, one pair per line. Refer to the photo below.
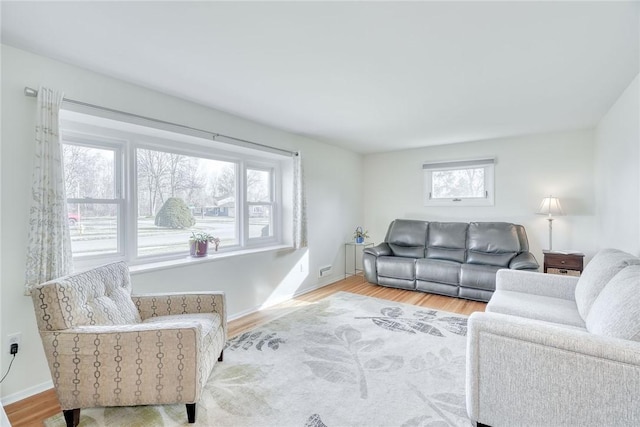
[550,206]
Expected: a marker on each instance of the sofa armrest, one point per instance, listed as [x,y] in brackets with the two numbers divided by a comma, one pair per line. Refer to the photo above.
[531,282]
[524,261]
[105,365]
[530,372]
[164,304]
[382,249]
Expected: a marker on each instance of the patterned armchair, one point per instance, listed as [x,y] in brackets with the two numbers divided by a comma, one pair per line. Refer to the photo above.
[106,347]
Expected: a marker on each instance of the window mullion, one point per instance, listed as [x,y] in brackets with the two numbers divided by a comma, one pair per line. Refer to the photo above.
[130,230]
[243,207]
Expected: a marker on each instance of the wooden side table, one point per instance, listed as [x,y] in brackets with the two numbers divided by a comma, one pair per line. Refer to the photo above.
[562,263]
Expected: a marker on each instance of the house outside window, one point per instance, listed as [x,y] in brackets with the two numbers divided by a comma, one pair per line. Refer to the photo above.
[204,188]
[459,183]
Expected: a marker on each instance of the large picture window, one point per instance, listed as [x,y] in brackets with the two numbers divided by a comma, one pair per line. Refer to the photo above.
[204,188]
[138,194]
[459,183]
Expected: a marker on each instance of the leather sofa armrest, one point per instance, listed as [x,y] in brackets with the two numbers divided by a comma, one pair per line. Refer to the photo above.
[524,261]
[382,249]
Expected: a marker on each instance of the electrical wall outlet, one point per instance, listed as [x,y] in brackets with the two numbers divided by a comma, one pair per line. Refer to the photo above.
[14,339]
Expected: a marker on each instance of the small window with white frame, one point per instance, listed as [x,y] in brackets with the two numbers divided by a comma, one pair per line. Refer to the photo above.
[459,183]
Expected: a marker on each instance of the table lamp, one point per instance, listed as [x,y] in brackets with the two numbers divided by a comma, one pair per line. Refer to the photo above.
[550,206]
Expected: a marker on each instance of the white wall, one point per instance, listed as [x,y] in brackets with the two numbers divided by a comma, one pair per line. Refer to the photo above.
[617,173]
[4,421]
[527,169]
[334,194]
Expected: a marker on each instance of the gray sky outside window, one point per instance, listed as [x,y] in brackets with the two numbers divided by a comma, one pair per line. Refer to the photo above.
[458,183]
[258,186]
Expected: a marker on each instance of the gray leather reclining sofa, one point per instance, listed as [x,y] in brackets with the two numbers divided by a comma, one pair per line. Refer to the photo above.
[448,258]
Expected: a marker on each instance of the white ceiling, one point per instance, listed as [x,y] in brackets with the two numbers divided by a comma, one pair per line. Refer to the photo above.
[369,76]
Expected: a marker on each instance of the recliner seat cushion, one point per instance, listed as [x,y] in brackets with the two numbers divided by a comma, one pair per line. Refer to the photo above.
[491,243]
[598,272]
[478,276]
[407,238]
[397,267]
[616,311]
[439,271]
[447,241]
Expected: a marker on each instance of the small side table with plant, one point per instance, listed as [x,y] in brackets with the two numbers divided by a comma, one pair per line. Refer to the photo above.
[358,246]
[199,243]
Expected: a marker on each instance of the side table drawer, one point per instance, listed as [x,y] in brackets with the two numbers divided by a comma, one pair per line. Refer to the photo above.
[564,261]
[563,272]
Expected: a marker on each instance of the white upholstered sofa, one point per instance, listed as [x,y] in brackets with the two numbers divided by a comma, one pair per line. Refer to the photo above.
[106,347]
[558,351]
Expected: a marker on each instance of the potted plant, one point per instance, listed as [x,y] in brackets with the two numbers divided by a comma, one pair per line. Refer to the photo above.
[199,243]
[360,235]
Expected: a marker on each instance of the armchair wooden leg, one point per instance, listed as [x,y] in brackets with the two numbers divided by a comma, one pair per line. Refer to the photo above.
[221,357]
[72,417]
[191,412]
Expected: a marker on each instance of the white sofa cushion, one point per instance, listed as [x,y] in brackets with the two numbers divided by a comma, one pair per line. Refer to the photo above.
[616,311]
[604,265]
[207,323]
[537,307]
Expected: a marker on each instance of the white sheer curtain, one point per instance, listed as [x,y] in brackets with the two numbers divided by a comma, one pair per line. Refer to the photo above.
[299,205]
[49,242]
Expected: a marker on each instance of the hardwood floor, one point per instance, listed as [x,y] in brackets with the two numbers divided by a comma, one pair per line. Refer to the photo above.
[35,409]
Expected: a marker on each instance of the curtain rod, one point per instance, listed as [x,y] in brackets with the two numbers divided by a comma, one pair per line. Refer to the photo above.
[34,94]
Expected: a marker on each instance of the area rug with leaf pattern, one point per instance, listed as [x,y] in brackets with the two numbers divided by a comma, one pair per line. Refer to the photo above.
[347,360]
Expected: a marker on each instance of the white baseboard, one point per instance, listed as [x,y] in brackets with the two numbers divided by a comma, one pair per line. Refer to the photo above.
[27,392]
[4,421]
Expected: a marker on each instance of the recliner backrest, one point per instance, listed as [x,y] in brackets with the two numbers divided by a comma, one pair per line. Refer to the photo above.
[407,238]
[100,296]
[492,243]
[447,241]
[522,237]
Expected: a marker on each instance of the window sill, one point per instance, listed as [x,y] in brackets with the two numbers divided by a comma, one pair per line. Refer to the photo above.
[181,262]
